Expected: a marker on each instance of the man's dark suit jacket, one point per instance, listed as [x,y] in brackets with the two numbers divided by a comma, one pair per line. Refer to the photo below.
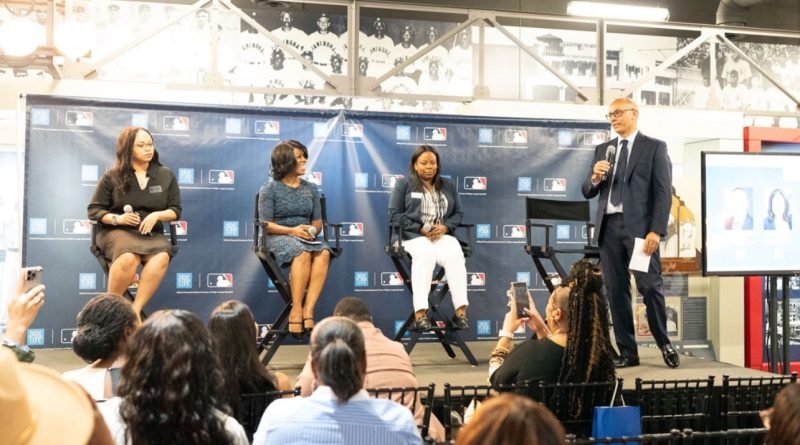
[647,196]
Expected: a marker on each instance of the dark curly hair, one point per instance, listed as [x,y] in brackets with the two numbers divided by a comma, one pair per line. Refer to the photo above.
[171,382]
[283,161]
[338,356]
[588,356]
[233,335]
[119,173]
[103,324]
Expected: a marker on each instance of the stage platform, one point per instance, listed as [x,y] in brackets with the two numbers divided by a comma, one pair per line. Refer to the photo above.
[433,366]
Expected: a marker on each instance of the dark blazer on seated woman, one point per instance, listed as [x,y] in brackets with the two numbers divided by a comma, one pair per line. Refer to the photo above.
[406,202]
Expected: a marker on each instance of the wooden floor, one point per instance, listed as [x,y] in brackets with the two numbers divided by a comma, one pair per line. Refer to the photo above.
[433,366]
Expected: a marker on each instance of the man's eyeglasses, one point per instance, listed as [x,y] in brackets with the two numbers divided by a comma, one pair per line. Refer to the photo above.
[616,114]
[144,144]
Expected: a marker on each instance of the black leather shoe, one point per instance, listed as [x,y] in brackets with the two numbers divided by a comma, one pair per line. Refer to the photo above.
[626,361]
[671,357]
[460,322]
[423,323]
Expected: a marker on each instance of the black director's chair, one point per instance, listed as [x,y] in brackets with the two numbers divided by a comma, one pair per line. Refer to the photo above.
[105,263]
[270,343]
[442,326]
[547,209]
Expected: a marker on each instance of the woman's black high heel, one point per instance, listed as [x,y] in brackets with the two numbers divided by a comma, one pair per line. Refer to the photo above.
[308,328]
[296,335]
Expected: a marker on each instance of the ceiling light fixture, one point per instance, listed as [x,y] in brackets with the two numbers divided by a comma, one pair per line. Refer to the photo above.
[617,11]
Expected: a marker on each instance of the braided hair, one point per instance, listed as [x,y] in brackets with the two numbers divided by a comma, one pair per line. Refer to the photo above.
[588,356]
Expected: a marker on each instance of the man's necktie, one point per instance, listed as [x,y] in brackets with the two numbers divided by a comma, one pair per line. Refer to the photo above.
[619,175]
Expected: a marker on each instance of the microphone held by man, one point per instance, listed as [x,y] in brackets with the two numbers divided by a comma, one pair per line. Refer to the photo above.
[611,154]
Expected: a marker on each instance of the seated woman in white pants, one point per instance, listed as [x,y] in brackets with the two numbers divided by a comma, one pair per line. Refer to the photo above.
[428,209]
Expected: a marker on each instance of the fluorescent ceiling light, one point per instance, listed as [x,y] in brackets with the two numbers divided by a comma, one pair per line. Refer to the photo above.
[617,11]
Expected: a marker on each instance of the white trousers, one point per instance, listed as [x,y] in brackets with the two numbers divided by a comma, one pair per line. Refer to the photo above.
[426,254]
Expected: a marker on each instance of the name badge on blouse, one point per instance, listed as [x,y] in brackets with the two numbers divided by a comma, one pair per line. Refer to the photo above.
[155,189]
[416,195]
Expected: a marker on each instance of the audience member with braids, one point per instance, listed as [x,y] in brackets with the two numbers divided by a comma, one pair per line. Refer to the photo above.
[339,411]
[105,324]
[170,387]
[573,344]
[233,335]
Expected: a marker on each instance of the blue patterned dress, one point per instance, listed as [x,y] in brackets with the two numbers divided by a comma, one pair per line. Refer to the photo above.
[289,207]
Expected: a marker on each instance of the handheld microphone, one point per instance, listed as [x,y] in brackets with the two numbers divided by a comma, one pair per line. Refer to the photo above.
[312,230]
[127,208]
[427,227]
[611,154]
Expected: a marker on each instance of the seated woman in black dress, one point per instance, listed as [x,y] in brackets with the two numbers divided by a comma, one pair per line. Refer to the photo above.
[428,209]
[291,206]
[573,344]
[233,335]
[131,201]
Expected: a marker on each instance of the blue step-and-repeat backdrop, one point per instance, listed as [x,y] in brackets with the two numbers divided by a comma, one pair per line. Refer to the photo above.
[221,158]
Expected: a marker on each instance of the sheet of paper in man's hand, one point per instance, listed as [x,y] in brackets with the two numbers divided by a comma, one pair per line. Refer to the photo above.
[639,261]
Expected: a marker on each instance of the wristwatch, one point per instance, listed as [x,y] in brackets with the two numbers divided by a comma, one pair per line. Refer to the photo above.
[23,352]
[113,220]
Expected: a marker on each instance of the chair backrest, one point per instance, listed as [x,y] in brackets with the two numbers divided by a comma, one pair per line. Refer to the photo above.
[577,420]
[537,208]
[744,397]
[461,401]
[410,396]
[254,405]
[669,404]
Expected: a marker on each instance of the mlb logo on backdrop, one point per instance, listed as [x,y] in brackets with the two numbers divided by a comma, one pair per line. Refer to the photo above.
[37,226]
[516,136]
[185,176]
[524,184]
[67,335]
[352,229]
[555,184]
[563,231]
[476,279]
[230,228]
[524,277]
[268,127]
[403,132]
[87,281]
[361,180]
[35,337]
[183,280]
[474,182]
[352,130]
[314,177]
[181,228]
[485,135]
[435,134]
[89,173]
[79,118]
[484,327]
[514,231]
[361,279]
[388,181]
[391,279]
[221,176]
[139,120]
[233,125]
[216,280]
[40,116]
[483,231]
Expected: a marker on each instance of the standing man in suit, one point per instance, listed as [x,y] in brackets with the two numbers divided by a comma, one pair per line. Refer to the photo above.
[635,200]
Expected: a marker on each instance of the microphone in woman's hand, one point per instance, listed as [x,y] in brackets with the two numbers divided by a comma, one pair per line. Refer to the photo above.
[127,209]
[312,230]
[427,227]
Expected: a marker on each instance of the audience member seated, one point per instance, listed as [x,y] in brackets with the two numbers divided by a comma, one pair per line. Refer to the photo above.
[23,307]
[388,363]
[171,387]
[509,419]
[573,344]
[233,336]
[428,209]
[105,324]
[291,206]
[783,419]
[339,411]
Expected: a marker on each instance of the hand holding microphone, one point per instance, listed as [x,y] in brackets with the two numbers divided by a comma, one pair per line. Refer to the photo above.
[312,231]
[611,155]
[129,217]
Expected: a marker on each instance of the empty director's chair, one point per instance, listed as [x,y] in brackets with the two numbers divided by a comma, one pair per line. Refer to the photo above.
[105,263]
[442,326]
[270,343]
[537,210]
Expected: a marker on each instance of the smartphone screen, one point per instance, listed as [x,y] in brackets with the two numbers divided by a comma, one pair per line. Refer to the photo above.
[33,277]
[521,298]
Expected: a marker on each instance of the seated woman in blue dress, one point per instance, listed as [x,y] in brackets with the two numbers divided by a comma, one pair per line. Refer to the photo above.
[428,209]
[291,207]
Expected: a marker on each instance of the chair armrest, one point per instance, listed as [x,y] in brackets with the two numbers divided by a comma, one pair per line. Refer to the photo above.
[259,235]
[467,245]
[532,225]
[396,233]
[336,250]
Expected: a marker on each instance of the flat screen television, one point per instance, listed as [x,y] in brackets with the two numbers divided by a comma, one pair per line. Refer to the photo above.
[751,213]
